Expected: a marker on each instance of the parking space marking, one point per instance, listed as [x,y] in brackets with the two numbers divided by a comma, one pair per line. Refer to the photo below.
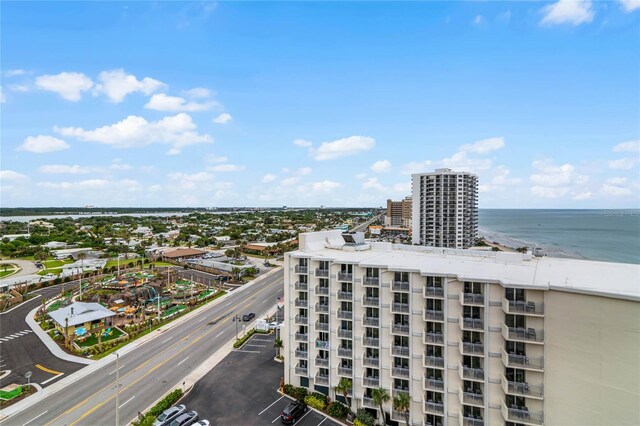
[274,420]
[325,419]
[183,360]
[300,419]
[257,346]
[249,352]
[39,415]
[271,405]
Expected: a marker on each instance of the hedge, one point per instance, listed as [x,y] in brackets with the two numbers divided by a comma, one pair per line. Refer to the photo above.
[315,402]
[337,410]
[241,341]
[363,418]
[166,402]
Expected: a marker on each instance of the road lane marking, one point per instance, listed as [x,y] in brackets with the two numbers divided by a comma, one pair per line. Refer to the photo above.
[39,415]
[202,320]
[124,403]
[271,405]
[265,301]
[165,341]
[51,379]
[183,360]
[48,370]
[121,367]
[300,419]
[220,334]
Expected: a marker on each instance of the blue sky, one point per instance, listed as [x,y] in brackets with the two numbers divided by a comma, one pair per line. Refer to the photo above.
[303,104]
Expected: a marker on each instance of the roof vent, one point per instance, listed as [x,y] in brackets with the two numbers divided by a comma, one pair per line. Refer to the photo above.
[353,238]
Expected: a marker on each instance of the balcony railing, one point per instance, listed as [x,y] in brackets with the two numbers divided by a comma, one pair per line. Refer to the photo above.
[517,334]
[522,415]
[322,362]
[303,371]
[471,398]
[400,286]
[522,307]
[400,351]
[370,301]
[322,273]
[397,390]
[301,286]
[402,308]
[433,337]
[471,323]
[371,341]
[433,361]
[468,348]
[434,407]
[467,420]
[345,352]
[433,384]
[301,353]
[345,371]
[372,281]
[471,373]
[345,295]
[400,329]
[322,380]
[301,320]
[301,337]
[299,269]
[431,315]
[512,360]
[371,382]
[301,303]
[322,307]
[434,292]
[371,321]
[345,333]
[472,298]
[322,344]
[522,388]
[368,361]
[400,372]
[344,314]
[368,402]
[322,290]
[322,326]
[345,276]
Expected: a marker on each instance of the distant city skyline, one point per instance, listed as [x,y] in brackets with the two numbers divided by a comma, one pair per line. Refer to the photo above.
[308,104]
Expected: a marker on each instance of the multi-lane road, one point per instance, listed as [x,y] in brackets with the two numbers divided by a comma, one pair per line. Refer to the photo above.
[154,367]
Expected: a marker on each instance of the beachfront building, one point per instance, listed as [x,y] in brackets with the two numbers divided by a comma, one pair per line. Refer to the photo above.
[445,209]
[398,213]
[475,338]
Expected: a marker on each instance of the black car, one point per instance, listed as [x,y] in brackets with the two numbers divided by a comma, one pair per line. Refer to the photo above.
[248,317]
[293,411]
[185,419]
[169,414]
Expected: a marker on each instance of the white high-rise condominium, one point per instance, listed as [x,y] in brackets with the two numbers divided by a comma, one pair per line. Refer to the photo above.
[445,209]
[475,338]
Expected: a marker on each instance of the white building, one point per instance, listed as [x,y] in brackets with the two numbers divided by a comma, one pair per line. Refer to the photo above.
[473,337]
[444,209]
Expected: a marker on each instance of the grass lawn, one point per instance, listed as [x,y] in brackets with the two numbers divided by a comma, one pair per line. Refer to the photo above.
[4,273]
[93,340]
[50,264]
[172,310]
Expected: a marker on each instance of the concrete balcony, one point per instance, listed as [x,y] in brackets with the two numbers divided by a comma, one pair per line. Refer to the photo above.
[322,308]
[301,337]
[300,320]
[371,321]
[467,420]
[400,308]
[523,308]
[345,371]
[322,273]
[301,303]
[322,344]
[528,335]
[398,390]
[345,333]
[347,296]
[398,416]
[471,323]
[433,337]
[472,299]
[468,373]
[401,372]
[302,354]
[322,380]
[301,371]
[468,348]
[400,286]
[368,361]
[522,415]
[522,361]
[522,389]
[345,352]
[400,351]
[344,314]
[371,382]
[322,362]
[371,301]
[433,361]
[368,402]
[322,326]
[372,281]
[301,286]
[345,276]
[434,292]
[400,329]
[322,290]
[471,398]
[434,407]
[371,342]
[433,384]
[298,269]
[431,315]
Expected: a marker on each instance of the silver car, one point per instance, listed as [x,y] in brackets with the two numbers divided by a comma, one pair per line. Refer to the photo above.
[169,414]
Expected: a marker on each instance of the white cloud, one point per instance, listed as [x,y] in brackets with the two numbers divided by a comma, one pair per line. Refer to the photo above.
[198,92]
[268,178]
[504,17]
[460,161]
[361,176]
[343,147]
[583,196]
[622,163]
[3,99]
[574,12]
[631,146]
[615,190]
[223,118]
[65,169]
[69,85]
[551,175]
[227,168]
[501,177]
[178,131]
[290,181]
[325,186]
[116,85]
[417,167]
[163,102]
[630,5]
[19,88]
[199,177]
[304,171]
[484,146]
[404,187]
[14,186]
[14,73]
[478,19]
[214,159]
[549,192]
[381,166]
[11,176]
[373,183]
[303,143]
[42,144]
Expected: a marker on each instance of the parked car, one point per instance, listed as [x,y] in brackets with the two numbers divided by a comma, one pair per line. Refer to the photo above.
[248,317]
[293,412]
[185,419]
[202,423]
[169,414]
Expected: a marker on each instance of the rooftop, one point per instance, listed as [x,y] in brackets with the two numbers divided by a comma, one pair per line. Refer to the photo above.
[80,313]
[619,280]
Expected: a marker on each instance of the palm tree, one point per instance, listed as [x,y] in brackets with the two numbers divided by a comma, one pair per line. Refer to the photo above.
[278,345]
[380,397]
[402,403]
[344,387]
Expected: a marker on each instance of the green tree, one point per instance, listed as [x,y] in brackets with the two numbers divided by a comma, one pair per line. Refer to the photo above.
[402,403]
[344,387]
[380,397]
[278,345]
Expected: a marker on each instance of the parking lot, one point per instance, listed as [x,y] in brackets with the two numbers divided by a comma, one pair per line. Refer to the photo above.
[242,389]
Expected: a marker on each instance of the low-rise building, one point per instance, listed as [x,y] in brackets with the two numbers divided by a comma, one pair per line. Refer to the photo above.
[79,314]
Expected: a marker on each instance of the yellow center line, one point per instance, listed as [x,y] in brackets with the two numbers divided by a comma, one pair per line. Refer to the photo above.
[148,361]
[47,370]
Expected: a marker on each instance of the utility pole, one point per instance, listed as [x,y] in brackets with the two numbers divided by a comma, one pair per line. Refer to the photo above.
[117,390]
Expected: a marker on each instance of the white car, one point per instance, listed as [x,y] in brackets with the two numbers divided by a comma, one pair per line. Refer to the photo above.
[273,325]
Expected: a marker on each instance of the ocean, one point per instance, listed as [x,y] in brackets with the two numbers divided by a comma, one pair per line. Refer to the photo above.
[606,235]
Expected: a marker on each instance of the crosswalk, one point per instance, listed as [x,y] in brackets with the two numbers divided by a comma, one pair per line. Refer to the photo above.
[15,335]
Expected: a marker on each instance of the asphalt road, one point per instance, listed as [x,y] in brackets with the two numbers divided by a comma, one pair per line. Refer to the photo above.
[154,367]
[23,351]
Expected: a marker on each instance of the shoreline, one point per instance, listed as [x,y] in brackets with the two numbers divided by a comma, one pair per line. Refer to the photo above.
[502,247]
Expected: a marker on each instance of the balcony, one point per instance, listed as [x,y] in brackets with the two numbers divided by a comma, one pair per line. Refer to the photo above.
[434,292]
[522,308]
[301,286]
[322,307]
[345,352]
[400,308]
[300,320]
[345,295]
[398,416]
[400,351]
[433,337]
[368,361]
[398,390]
[400,286]
[469,373]
[468,348]
[400,329]
[371,382]
[299,269]
[372,281]
[371,321]
[434,384]
[433,361]
[322,326]
[372,342]
[371,301]
[322,379]
[301,337]
[471,323]
[322,273]
[432,315]
[521,361]
[522,389]
[473,299]
[344,314]
[345,333]
[402,372]
[322,344]
[322,362]
[323,290]
[345,276]
[434,407]
[521,415]
[518,334]
[302,354]
[301,303]
[469,420]
[345,371]
[471,398]
[301,371]
[368,402]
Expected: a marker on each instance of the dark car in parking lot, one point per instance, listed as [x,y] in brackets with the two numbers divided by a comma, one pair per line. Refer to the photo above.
[293,412]
[169,414]
[248,317]
[185,419]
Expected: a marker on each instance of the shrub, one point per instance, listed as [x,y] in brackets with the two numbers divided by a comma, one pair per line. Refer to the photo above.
[365,418]
[314,402]
[166,402]
[338,410]
[357,422]
[320,396]
[300,393]
[289,389]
